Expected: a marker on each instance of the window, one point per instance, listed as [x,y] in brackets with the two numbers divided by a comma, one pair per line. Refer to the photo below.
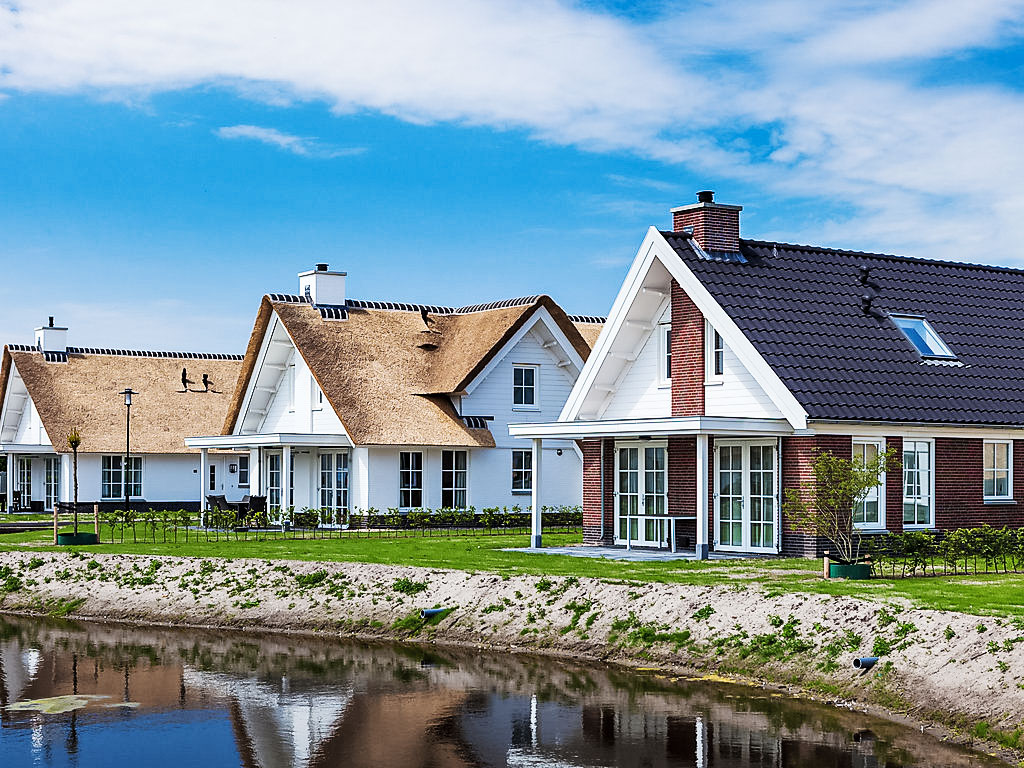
[998,469]
[453,479]
[714,354]
[316,396]
[112,477]
[25,480]
[920,333]
[870,512]
[213,477]
[524,386]
[665,340]
[918,483]
[334,481]
[410,479]
[243,471]
[290,384]
[522,470]
[51,482]
[274,481]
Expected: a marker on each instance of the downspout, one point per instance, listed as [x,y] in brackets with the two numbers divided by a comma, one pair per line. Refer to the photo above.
[601,447]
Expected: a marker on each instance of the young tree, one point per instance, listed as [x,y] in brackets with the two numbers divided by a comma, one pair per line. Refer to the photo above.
[74,440]
[825,505]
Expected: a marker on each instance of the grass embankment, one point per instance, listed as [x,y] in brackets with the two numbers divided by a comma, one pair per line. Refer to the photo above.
[988,594]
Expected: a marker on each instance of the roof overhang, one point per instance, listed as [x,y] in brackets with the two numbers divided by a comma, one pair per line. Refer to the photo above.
[721,426]
[272,440]
[25,448]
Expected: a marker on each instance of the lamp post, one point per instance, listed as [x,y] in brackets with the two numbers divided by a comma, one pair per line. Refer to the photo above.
[127,446]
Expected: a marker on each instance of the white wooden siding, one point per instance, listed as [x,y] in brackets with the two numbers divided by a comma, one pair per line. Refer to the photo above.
[640,393]
[298,416]
[738,394]
[30,428]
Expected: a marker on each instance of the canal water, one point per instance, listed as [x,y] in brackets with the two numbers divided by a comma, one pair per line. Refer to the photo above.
[78,694]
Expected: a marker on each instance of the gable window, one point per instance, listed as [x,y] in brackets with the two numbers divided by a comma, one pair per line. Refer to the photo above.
[290,384]
[522,470]
[920,333]
[453,479]
[410,479]
[714,354]
[112,477]
[524,386]
[918,483]
[998,470]
[870,512]
[316,395]
[243,471]
[665,342]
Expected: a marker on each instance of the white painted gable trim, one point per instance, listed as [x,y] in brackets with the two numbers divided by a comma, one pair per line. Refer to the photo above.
[543,317]
[11,429]
[655,248]
[257,368]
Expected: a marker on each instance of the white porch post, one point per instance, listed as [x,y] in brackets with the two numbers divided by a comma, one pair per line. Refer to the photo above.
[66,491]
[286,474]
[702,497]
[359,479]
[535,539]
[203,469]
[12,478]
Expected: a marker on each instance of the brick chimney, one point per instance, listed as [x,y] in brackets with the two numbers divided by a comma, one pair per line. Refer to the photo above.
[715,227]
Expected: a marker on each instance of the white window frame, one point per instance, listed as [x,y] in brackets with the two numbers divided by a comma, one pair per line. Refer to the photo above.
[275,489]
[316,395]
[450,480]
[243,471]
[121,477]
[931,482]
[527,469]
[51,481]
[1008,470]
[665,354]
[405,480]
[337,474]
[535,405]
[879,490]
[929,334]
[212,484]
[290,384]
[24,480]
[711,340]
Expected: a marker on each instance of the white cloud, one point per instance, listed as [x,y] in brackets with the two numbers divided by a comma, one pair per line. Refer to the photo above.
[838,85]
[299,145]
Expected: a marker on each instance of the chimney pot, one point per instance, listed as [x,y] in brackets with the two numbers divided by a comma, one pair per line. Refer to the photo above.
[51,322]
[706,196]
[714,226]
[321,267]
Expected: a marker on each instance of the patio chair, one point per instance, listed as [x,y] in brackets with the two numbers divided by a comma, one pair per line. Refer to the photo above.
[16,501]
[37,507]
[3,502]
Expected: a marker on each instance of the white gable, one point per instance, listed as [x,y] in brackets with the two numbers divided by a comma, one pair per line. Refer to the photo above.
[19,421]
[640,392]
[283,395]
[750,389]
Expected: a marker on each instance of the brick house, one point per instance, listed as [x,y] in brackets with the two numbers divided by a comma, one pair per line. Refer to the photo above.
[728,364]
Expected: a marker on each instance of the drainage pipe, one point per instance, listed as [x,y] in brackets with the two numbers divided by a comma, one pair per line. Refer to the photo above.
[865,662]
[429,613]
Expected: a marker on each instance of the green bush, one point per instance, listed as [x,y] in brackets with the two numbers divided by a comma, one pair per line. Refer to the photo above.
[962,551]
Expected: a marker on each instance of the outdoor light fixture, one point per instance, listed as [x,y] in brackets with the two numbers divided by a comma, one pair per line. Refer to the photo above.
[127,446]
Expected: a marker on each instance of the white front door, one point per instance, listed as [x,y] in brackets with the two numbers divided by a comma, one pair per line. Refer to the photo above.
[746,496]
[641,500]
[222,477]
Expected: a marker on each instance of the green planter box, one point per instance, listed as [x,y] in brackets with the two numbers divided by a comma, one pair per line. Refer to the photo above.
[77,538]
[849,571]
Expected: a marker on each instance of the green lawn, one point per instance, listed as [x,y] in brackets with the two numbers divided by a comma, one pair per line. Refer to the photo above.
[983,594]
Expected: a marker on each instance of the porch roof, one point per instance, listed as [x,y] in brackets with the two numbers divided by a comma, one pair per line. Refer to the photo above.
[270,440]
[675,425]
[26,448]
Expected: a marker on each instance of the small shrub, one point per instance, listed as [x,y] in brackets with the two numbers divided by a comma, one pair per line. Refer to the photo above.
[408,586]
[881,647]
[310,579]
[704,613]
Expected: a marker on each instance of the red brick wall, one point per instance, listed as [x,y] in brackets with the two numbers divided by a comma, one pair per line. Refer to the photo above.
[894,488]
[682,485]
[959,489]
[687,355]
[798,455]
[716,229]
[592,491]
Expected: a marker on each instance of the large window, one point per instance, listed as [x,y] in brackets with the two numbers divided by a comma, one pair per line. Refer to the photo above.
[522,470]
[51,482]
[453,479]
[112,477]
[524,386]
[334,480]
[870,512]
[998,469]
[918,483]
[410,479]
[25,480]
[243,471]
[274,481]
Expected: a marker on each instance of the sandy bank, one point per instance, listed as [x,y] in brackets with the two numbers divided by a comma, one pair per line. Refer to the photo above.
[941,666]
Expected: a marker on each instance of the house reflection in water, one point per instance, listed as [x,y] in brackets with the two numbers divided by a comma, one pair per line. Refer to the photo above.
[221,699]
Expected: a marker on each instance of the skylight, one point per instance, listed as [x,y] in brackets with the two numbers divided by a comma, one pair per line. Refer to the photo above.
[921,334]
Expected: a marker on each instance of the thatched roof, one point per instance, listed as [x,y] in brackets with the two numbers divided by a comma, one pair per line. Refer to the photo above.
[81,389]
[386,373]
[589,328]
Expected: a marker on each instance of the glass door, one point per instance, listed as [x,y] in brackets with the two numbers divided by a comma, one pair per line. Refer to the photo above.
[641,495]
[274,483]
[51,482]
[746,496]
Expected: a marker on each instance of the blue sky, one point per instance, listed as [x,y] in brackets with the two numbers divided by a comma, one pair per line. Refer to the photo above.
[164,165]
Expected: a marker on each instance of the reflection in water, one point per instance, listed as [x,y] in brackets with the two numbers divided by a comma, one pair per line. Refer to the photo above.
[176,698]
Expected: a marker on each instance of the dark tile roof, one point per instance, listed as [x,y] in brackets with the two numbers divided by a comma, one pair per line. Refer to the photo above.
[801,308]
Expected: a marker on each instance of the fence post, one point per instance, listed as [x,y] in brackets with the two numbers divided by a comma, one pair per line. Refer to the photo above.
[96,520]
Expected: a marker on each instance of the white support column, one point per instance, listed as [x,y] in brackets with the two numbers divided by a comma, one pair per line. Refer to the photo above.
[702,497]
[204,461]
[535,499]
[12,479]
[66,491]
[286,474]
[359,479]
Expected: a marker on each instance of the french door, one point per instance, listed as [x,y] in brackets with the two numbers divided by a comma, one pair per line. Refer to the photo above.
[746,496]
[51,482]
[641,502]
